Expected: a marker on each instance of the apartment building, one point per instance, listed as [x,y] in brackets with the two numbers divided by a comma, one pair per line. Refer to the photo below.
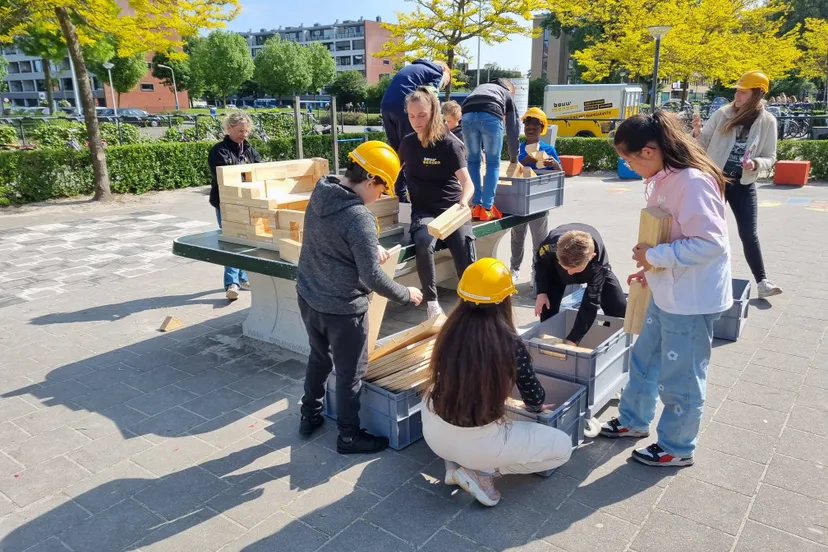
[351,43]
[550,56]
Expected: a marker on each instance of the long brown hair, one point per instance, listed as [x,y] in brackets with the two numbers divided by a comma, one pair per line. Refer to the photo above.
[474,364]
[680,151]
[435,130]
[748,113]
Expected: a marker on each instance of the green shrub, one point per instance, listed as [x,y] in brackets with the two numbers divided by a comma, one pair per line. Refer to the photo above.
[184,134]
[8,134]
[598,153]
[56,135]
[279,125]
[129,134]
[351,118]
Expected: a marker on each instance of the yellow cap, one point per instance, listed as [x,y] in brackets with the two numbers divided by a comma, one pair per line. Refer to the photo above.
[486,282]
[754,79]
[536,113]
[379,159]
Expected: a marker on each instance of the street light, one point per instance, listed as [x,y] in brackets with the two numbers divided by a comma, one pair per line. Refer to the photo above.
[657,33]
[175,89]
[108,66]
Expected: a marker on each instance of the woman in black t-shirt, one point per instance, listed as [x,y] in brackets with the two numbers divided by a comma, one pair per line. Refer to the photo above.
[437,178]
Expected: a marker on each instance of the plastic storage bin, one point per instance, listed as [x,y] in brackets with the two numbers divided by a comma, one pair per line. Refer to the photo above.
[396,416]
[732,322]
[524,196]
[569,399]
[624,171]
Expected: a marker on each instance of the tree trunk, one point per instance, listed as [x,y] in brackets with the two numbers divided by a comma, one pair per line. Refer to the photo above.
[47,82]
[450,62]
[93,132]
[685,84]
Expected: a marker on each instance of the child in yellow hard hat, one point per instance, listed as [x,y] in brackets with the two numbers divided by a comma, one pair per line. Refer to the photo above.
[464,421]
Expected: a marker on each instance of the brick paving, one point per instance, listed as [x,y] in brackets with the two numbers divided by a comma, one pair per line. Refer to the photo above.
[116,437]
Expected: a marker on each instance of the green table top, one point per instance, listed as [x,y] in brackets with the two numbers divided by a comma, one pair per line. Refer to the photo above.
[208,248]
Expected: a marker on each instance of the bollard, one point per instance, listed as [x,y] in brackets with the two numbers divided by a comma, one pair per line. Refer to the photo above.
[298,119]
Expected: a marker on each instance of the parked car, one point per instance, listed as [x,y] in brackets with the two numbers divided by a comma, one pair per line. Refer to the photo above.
[132,116]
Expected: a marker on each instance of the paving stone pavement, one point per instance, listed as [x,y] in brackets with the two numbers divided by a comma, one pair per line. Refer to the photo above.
[116,437]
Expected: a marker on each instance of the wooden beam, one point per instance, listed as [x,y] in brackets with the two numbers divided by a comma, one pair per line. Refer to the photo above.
[654,228]
[235,213]
[446,224]
[637,303]
[285,217]
[558,343]
[412,335]
[377,303]
[385,206]
[414,356]
[245,231]
[289,250]
[170,323]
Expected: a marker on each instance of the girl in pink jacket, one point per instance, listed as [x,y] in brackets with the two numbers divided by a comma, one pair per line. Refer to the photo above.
[670,357]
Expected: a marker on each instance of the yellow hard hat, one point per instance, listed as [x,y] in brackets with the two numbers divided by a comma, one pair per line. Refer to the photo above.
[536,113]
[379,159]
[754,79]
[486,282]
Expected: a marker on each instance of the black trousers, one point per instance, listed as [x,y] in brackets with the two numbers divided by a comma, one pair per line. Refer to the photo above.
[460,243]
[341,341]
[613,301]
[396,125]
[744,204]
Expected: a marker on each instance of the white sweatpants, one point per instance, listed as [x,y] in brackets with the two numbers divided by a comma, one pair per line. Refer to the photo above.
[509,447]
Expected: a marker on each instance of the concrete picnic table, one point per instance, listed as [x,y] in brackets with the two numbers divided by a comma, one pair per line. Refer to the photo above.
[274,312]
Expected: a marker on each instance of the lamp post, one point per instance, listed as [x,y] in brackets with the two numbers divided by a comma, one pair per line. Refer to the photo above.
[657,33]
[480,22]
[108,66]
[175,88]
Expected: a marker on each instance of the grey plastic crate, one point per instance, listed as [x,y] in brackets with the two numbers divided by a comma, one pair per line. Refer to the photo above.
[604,370]
[524,196]
[568,416]
[733,321]
[396,416]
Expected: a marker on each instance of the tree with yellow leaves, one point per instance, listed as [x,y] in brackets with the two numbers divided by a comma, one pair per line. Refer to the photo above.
[140,26]
[814,44]
[436,29]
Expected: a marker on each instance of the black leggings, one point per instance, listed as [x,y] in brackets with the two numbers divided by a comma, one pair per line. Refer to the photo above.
[744,204]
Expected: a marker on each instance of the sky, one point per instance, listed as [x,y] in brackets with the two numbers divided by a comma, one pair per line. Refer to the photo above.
[261,14]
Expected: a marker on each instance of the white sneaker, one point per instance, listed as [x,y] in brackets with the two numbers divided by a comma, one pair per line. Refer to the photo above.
[245,285]
[515,276]
[766,289]
[232,292]
[433,309]
[451,472]
[478,484]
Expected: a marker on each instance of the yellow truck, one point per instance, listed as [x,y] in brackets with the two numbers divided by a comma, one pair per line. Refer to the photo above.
[580,104]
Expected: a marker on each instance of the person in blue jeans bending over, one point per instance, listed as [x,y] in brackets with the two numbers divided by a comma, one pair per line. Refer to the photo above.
[486,111]
[233,150]
[672,353]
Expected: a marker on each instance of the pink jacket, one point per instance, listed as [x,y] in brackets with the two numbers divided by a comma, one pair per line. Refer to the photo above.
[697,278]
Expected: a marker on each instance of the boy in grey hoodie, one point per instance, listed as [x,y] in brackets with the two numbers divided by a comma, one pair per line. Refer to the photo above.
[338,268]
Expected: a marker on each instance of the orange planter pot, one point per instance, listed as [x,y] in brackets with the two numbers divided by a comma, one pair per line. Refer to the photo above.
[793,173]
[572,164]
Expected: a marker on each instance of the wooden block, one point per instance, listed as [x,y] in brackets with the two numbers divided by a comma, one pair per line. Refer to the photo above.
[266,216]
[391,230]
[454,217]
[558,343]
[512,170]
[233,175]
[427,329]
[279,187]
[385,206]
[388,221]
[637,303]
[289,250]
[654,228]
[266,203]
[377,303]
[245,231]
[254,190]
[170,323]
[235,213]
[286,217]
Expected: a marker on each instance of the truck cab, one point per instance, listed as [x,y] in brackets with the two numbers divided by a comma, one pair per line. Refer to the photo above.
[589,110]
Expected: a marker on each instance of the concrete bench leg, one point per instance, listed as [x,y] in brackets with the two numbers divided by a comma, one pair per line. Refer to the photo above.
[274,314]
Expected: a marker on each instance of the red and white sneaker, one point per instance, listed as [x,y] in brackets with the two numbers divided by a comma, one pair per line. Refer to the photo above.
[614,429]
[654,455]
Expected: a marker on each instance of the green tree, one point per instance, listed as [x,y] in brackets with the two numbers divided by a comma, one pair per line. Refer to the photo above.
[375,92]
[223,61]
[536,88]
[126,73]
[322,66]
[282,68]
[49,46]
[814,44]
[186,77]
[349,86]
[800,10]
[4,70]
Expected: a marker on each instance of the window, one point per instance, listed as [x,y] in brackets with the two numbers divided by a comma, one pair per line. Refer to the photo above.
[147,87]
[37,65]
[15,86]
[359,60]
[9,50]
[25,66]
[359,44]
[41,85]
[388,62]
[343,60]
[28,86]
[329,46]
[344,45]
[67,85]
[14,68]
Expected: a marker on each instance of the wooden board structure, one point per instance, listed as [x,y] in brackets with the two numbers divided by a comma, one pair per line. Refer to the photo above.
[654,228]
[377,303]
[410,336]
[637,303]
[446,224]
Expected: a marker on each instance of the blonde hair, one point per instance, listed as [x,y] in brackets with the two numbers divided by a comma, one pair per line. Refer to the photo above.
[748,113]
[446,78]
[575,248]
[236,118]
[435,130]
[452,108]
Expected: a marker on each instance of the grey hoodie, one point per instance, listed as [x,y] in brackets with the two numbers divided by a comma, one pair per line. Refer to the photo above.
[338,266]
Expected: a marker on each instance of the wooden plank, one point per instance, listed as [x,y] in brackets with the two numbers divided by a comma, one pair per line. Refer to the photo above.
[391,230]
[511,170]
[265,217]
[170,323]
[253,203]
[637,303]
[412,358]
[455,216]
[654,228]
[254,190]
[558,343]
[412,335]
[402,356]
[289,250]
[285,217]
[245,231]
[377,303]
[235,213]
[233,175]
[385,206]
[388,221]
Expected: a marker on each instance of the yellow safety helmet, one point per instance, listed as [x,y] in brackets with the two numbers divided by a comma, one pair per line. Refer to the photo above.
[486,282]
[379,159]
[754,79]
[536,113]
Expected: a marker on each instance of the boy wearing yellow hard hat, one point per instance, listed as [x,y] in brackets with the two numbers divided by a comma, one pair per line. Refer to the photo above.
[338,268]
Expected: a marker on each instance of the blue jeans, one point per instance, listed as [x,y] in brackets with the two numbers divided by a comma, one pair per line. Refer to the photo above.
[486,131]
[669,360]
[231,275]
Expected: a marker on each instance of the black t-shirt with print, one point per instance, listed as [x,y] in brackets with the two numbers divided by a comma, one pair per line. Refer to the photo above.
[429,173]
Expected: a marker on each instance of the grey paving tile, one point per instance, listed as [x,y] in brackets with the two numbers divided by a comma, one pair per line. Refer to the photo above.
[729,472]
[280,532]
[201,531]
[292,368]
[39,521]
[160,400]
[174,455]
[260,384]
[272,407]
[516,526]
[199,362]
[807,478]
[791,512]
[40,481]
[764,396]
[108,451]
[153,360]
[788,363]
[363,537]
[228,428]
[817,378]
[808,420]
[102,399]
[722,357]
[446,540]
[108,376]
[543,494]
[112,529]
[738,442]
[805,446]
[413,513]
[246,458]
[11,434]
[179,493]
[797,335]
[331,507]
[112,420]
[618,461]
[756,537]
[254,499]
[785,346]
[47,446]
[616,494]
[14,407]
[777,379]
[722,375]
[172,423]
[110,486]
[707,504]
[67,372]
[162,377]
[576,528]
[813,397]
[380,473]
[680,534]
[755,418]
[284,435]
[216,403]
[207,381]
[311,465]
[49,545]
[48,419]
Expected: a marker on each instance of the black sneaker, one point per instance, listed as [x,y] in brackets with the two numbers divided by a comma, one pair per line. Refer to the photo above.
[614,429]
[654,455]
[308,425]
[363,443]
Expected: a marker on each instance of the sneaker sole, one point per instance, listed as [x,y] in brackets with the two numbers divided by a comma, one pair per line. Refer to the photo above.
[232,295]
[674,464]
[628,435]
[773,293]
[471,487]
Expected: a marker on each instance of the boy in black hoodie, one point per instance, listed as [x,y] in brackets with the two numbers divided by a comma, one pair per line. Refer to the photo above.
[338,268]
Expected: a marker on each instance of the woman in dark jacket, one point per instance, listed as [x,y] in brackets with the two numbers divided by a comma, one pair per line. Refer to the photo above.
[233,150]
